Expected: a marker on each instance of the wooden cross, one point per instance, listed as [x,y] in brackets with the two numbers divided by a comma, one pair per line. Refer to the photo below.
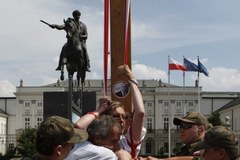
[117,39]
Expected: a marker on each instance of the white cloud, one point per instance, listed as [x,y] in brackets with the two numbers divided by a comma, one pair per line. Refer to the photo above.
[142,71]
[221,79]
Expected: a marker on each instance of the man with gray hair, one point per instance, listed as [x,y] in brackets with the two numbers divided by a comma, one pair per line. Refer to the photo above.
[104,134]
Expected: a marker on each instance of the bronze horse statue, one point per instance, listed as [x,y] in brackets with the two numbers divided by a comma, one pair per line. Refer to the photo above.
[73,53]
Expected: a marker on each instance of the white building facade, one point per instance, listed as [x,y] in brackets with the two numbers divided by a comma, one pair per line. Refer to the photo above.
[162,103]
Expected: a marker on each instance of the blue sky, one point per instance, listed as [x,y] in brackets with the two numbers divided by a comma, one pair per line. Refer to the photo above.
[209,29]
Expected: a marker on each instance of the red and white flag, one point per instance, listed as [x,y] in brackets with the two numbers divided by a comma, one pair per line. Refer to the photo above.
[175,65]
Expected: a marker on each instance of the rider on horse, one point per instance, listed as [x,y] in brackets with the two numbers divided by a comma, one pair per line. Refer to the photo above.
[78,42]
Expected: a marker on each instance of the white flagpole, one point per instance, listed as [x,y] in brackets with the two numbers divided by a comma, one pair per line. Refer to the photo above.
[169,113]
[184,94]
[198,87]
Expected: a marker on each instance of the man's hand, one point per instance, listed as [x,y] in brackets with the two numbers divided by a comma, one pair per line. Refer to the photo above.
[125,72]
[104,104]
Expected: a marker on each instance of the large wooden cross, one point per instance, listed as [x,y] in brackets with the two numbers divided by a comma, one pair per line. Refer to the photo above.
[117,34]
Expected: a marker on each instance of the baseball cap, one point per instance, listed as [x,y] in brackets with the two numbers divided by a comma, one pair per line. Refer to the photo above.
[57,130]
[193,118]
[219,136]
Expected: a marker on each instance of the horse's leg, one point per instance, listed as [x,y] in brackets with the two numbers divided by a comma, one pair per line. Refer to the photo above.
[62,72]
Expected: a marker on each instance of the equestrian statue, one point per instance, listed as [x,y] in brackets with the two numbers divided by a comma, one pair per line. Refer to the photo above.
[74,52]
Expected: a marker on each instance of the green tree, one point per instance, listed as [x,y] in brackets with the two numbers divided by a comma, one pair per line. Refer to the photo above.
[26,142]
[214,119]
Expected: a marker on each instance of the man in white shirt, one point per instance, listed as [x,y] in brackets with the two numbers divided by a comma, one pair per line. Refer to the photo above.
[104,134]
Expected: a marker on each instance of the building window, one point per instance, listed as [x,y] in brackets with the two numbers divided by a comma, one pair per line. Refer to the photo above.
[39,103]
[148,147]
[39,120]
[166,103]
[165,123]
[27,122]
[149,123]
[149,104]
[190,103]
[178,103]
[27,103]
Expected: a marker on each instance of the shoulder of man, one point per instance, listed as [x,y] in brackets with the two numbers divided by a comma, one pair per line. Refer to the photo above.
[184,151]
[88,150]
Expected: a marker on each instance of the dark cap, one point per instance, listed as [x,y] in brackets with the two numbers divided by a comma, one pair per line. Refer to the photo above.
[219,136]
[57,130]
[194,118]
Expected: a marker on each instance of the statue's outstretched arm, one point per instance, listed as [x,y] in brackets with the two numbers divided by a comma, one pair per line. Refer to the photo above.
[59,27]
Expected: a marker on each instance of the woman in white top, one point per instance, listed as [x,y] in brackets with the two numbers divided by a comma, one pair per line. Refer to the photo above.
[130,141]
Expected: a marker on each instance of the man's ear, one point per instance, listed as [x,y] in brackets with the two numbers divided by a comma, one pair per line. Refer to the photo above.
[222,153]
[58,150]
[201,129]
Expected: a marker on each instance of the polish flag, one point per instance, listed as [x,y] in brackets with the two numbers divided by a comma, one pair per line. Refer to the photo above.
[175,65]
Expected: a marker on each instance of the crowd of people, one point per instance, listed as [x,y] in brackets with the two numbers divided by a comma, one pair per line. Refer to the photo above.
[111,133]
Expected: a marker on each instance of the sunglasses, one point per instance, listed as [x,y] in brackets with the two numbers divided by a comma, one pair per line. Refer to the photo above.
[185,126]
[119,116]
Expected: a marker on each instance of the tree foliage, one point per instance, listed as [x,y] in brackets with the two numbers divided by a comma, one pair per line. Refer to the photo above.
[214,119]
[26,142]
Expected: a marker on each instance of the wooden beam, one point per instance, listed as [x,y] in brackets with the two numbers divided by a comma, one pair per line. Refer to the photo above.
[117,36]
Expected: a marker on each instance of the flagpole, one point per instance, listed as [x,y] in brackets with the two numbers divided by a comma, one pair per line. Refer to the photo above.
[169,113]
[198,95]
[198,87]
[184,94]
